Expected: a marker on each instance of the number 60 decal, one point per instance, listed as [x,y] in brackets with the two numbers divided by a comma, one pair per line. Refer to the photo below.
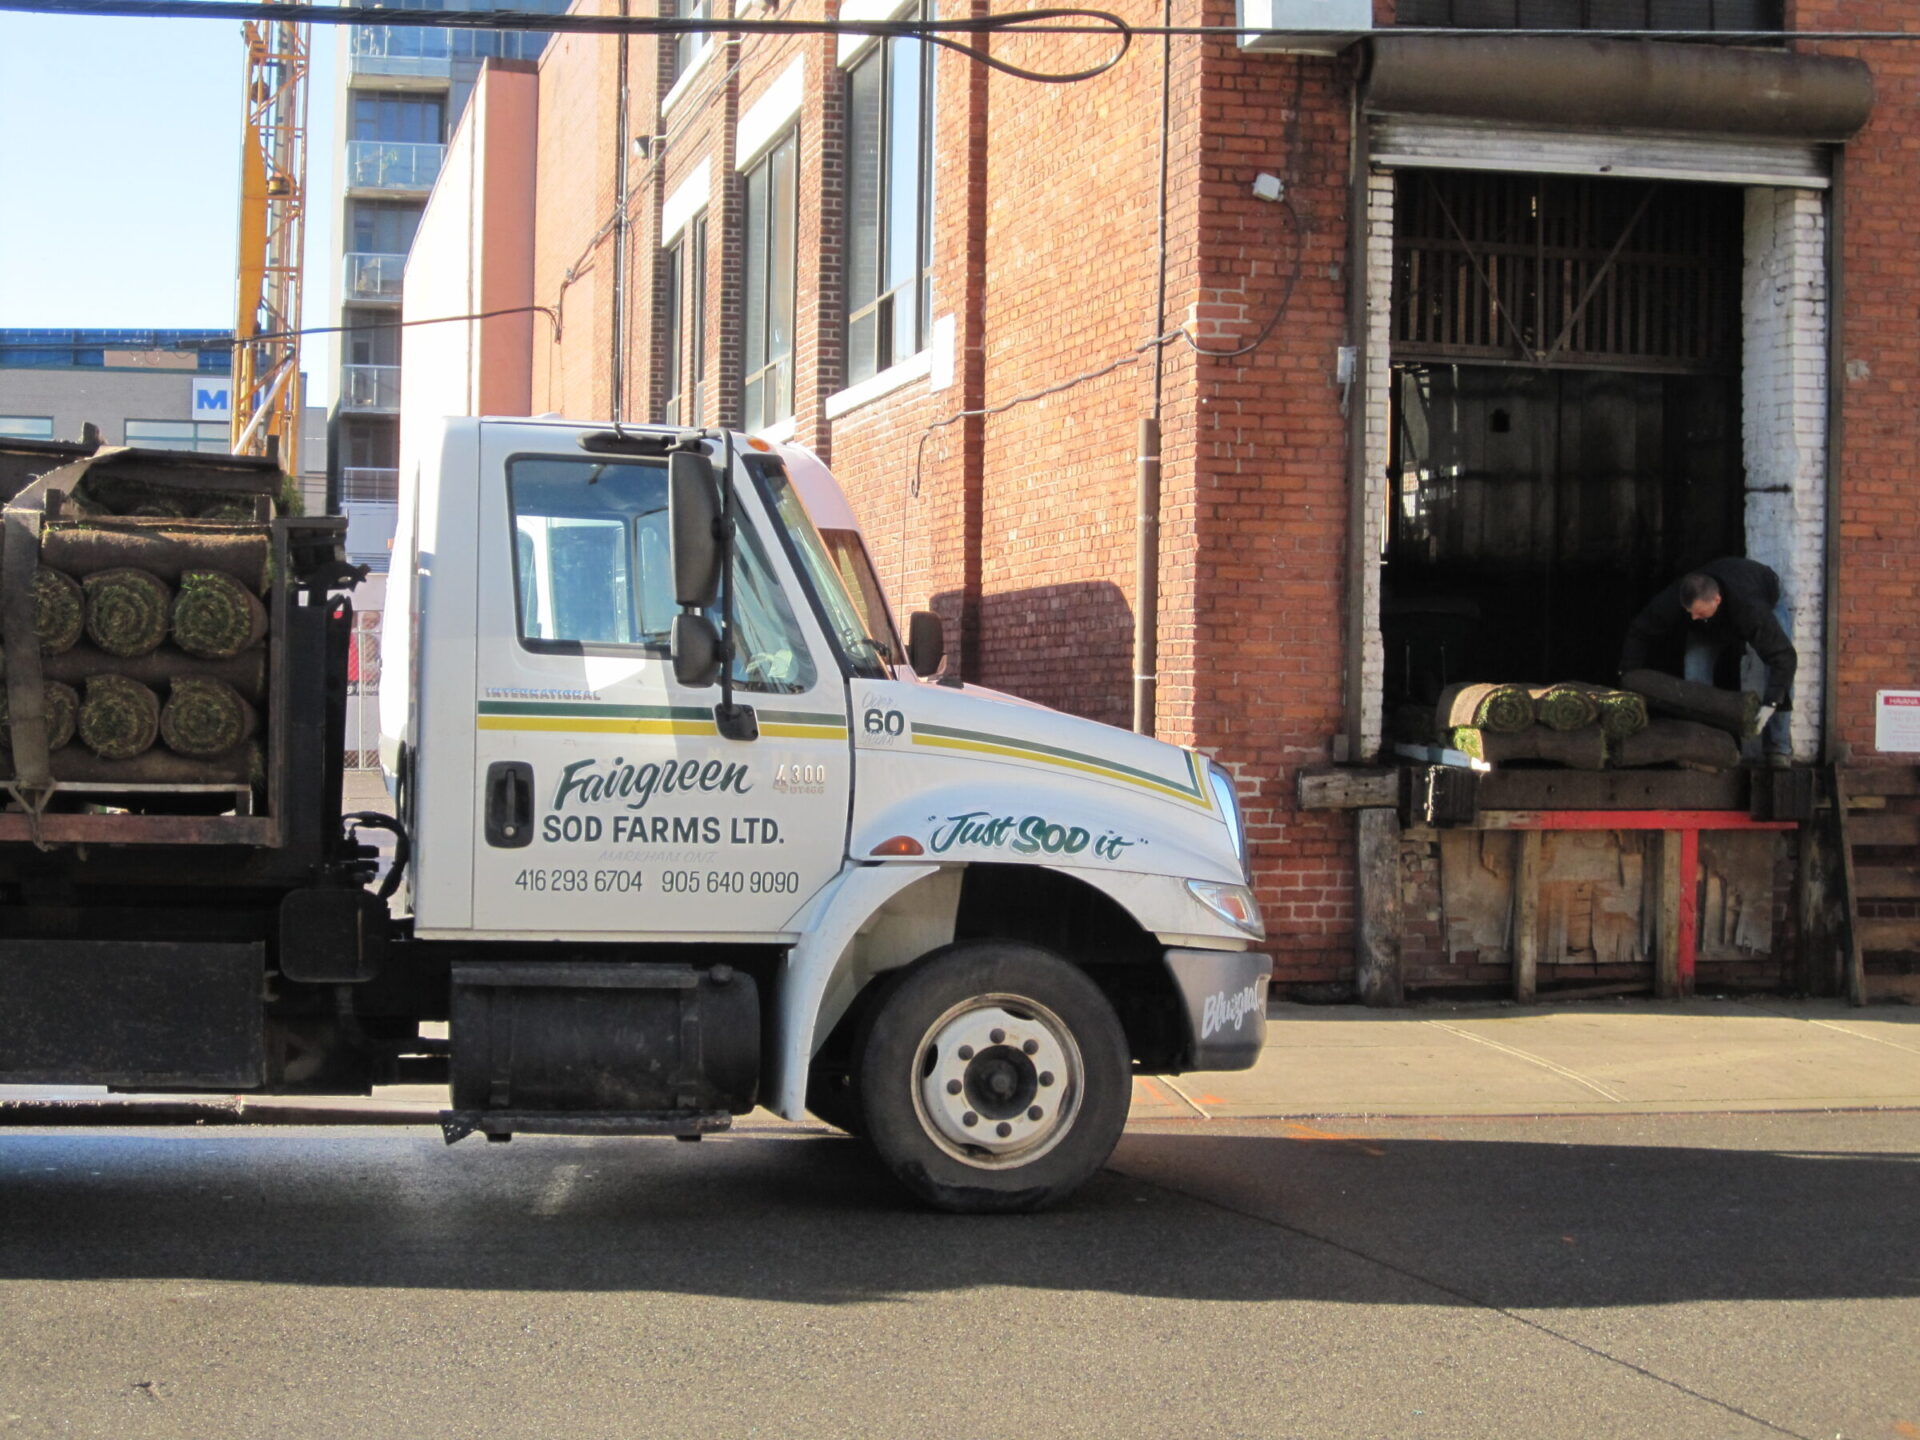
[883,725]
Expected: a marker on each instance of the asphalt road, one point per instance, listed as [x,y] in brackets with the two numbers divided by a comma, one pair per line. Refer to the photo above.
[1695,1276]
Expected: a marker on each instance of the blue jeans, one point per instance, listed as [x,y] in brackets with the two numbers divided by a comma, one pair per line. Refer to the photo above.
[1703,658]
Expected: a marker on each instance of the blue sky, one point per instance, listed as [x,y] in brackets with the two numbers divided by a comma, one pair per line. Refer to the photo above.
[119,174]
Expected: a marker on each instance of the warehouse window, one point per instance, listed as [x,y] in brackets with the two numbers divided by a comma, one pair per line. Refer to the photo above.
[688,50]
[671,261]
[1734,15]
[26,427]
[889,203]
[770,223]
[208,437]
[696,321]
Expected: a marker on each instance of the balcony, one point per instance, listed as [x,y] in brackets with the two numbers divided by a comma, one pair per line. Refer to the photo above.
[369,484]
[371,279]
[399,52]
[392,165]
[370,389]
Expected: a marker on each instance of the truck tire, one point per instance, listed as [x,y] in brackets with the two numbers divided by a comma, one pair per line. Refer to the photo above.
[994,1077]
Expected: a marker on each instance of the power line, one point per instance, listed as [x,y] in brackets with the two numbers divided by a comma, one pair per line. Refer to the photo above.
[1054,21]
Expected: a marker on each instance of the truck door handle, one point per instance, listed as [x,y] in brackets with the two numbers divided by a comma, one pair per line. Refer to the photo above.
[509,819]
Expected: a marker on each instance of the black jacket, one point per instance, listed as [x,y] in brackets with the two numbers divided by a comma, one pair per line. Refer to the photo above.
[1748,591]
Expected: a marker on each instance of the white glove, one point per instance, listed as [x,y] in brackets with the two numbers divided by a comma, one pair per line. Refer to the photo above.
[1760,720]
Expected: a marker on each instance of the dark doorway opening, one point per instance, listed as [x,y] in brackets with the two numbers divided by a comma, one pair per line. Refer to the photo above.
[1565,421]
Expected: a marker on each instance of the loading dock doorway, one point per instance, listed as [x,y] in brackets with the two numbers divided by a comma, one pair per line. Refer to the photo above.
[1565,420]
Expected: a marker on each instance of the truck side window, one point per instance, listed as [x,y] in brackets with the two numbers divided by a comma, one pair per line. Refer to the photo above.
[592,567]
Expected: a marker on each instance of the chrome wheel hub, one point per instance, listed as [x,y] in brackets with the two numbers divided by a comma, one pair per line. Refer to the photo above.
[1000,1081]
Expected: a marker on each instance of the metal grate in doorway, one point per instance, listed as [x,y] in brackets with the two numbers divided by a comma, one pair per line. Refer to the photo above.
[1566,272]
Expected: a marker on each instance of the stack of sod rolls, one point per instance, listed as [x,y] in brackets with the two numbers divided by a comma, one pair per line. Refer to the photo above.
[153,646]
[1502,724]
[1573,724]
[1587,727]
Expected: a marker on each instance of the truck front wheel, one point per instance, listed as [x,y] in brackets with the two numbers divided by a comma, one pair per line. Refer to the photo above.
[994,1077]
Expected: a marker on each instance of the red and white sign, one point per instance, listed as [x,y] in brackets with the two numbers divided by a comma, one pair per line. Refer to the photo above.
[1896,722]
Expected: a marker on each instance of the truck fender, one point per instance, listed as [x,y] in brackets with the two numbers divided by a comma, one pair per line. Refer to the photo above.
[874,918]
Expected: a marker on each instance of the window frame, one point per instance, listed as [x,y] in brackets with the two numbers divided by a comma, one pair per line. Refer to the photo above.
[668,277]
[35,420]
[868,358]
[217,438]
[687,51]
[751,548]
[764,269]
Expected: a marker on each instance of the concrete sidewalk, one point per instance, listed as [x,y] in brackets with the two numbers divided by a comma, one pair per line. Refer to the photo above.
[1608,1057]
[1603,1057]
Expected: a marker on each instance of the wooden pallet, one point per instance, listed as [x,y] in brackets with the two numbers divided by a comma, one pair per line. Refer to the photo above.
[1879,817]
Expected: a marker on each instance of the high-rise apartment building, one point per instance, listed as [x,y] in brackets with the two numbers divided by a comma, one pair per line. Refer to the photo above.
[403,90]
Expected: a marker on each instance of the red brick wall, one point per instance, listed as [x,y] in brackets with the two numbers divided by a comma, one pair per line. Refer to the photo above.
[1878,630]
[1019,526]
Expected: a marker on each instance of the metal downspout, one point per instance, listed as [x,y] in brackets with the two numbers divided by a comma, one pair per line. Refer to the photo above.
[1830,751]
[1146,550]
[1354,646]
[617,375]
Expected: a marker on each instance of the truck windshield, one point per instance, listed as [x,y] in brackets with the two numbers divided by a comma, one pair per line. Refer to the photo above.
[867,654]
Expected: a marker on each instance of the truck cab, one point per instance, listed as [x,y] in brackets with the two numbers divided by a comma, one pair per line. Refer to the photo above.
[641,735]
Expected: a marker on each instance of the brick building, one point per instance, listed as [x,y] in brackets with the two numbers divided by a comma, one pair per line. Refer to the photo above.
[1465,345]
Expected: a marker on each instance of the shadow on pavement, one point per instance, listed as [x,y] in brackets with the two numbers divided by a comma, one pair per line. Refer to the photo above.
[1198,1215]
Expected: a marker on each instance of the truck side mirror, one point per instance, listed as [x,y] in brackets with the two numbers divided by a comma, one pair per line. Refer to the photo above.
[693,528]
[926,642]
[696,650]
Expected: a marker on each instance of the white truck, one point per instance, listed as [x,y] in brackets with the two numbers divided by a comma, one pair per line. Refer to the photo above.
[679,839]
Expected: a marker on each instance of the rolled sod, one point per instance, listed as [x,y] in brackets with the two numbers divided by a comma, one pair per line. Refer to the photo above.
[245,672]
[120,718]
[127,611]
[1584,749]
[216,617]
[1735,711]
[62,707]
[1677,742]
[1507,709]
[204,718]
[59,610]
[241,766]
[1622,713]
[238,508]
[166,550]
[1564,707]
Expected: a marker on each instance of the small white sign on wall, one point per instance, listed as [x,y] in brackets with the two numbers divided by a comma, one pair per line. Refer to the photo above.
[212,398]
[1896,722]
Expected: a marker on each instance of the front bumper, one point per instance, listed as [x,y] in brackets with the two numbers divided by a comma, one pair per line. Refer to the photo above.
[1224,996]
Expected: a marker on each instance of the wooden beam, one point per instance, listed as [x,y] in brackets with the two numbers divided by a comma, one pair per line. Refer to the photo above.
[1627,820]
[1886,882]
[1894,987]
[1853,974]
[1895,780]
[1348,788]
[1666,943]
[1888,934]
[1526,917]
[1882,829]
[1823,901]
[1613,790]
[1377,958]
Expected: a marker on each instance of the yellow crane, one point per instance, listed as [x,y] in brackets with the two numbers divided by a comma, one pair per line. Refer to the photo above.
[273,182]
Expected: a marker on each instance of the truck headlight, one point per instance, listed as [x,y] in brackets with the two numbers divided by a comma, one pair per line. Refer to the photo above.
[1228,799]
[1232,903]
